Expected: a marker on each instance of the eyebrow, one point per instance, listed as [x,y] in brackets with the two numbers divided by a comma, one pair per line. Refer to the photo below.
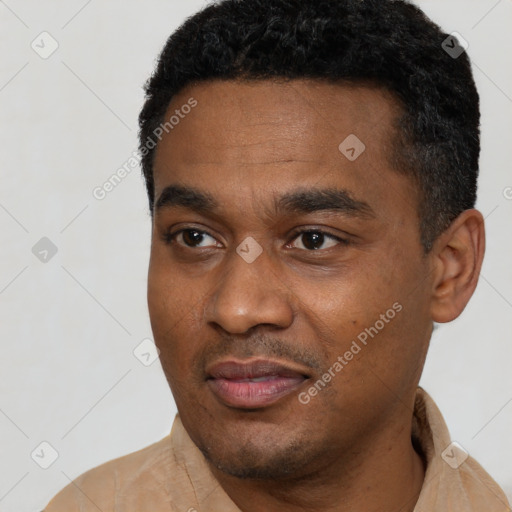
[299,201]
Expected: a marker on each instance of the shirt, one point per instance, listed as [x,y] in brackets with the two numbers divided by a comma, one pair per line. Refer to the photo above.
[172,475]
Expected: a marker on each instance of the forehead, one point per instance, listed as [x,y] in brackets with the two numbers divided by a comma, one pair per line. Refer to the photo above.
[290,118]
[270,136]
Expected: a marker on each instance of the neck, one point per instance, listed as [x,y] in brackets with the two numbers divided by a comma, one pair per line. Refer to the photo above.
[383,473]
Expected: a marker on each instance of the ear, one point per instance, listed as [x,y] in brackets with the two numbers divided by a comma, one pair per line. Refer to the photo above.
[457,259]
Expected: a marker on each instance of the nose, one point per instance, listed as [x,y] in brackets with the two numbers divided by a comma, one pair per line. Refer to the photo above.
[250,294]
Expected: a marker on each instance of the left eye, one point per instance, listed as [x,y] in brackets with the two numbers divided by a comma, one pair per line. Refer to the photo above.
[314,240]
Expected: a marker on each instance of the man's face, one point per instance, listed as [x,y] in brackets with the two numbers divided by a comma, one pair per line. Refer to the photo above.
[292,323]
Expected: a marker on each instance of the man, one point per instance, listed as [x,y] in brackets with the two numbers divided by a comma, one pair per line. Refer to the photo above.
[311,169]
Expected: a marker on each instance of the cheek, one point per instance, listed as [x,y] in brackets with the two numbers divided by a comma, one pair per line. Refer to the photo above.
[171,297]
[169,323]
[170,306]
[374,307]
[352,301]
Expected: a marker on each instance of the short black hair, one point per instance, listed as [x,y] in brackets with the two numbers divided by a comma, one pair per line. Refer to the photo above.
[388,43]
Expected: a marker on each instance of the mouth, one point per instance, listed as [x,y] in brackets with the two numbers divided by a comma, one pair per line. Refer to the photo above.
[253,384]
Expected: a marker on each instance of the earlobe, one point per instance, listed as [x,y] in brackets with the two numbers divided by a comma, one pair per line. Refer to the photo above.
[458,255]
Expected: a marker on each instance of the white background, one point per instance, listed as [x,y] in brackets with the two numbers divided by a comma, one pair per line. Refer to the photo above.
[69,326]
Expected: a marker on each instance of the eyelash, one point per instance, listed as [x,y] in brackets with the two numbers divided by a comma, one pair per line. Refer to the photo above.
[169,237]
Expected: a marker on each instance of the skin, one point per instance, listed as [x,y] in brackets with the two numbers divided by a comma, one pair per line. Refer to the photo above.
[245,144]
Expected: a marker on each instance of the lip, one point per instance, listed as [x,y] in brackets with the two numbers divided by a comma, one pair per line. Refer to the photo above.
[253,384]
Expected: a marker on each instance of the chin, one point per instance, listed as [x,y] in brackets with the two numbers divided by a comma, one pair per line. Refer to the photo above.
[247,460]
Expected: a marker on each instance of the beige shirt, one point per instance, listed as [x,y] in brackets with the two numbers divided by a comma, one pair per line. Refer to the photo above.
[172,475]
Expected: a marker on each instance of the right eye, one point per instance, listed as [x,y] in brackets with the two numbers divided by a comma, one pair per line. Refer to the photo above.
[189,237]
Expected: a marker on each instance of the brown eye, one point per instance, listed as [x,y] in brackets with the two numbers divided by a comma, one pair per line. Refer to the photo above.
[191,238]
[315,240]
